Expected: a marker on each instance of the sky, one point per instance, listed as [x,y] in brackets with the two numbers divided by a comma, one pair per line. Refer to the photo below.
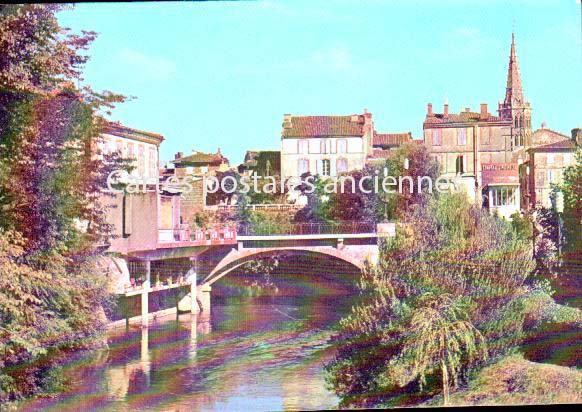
[222,74]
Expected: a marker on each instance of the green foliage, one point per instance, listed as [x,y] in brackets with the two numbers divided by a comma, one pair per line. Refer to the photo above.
[512,380]
[51,177]
[41,311]
[437,336]
[371,204]
[436,305]
[571,187]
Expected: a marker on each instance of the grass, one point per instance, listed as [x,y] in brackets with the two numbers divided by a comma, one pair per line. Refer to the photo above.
[516,381]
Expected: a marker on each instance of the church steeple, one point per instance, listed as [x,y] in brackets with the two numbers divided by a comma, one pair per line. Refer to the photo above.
[513,91]
[514,106]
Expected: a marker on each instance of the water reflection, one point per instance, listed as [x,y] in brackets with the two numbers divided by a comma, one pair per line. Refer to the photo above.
[266,354]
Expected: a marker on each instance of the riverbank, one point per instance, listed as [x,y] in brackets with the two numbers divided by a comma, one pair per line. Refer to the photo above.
[514,380]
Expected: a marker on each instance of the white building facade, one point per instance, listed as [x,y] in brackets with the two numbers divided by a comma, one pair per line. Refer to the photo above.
[325,145]
[135,144]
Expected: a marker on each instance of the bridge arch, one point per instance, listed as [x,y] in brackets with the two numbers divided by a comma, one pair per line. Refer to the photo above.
[237,258]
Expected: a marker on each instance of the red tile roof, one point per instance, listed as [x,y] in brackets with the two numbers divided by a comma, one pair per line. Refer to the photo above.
[323,126]
[463,117]
[391,139]
[565,144]
[199,157]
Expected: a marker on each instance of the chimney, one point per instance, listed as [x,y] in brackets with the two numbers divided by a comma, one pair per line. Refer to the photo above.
[178,155]
[446,110]
[467,109]
[286,121]
[577,136]
[483,112]
[429,109]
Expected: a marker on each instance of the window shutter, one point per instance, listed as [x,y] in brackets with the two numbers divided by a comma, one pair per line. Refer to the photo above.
[465,163]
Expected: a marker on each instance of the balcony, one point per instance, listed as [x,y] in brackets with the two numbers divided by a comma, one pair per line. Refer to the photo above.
[184,236]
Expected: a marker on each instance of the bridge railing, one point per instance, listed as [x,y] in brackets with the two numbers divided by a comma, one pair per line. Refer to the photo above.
[185,235]
[328,228]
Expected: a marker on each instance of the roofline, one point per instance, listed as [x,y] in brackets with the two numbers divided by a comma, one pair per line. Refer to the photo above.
[322,136]
[566,137]
[551,149]
[500,122]
[120,130]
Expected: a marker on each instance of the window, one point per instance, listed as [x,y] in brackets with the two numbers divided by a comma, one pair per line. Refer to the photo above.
[153,162]
[462,136]
[141,160]
[130,151]
[119,147]
[303,146]
[325,167]
[302,166]
[461,164]
[437,137]
[326,146]
[342,146]
[486,136]
[552,176]
[502,196]
[342,165]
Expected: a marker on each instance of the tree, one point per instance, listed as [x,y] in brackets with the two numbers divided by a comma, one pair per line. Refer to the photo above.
[439,336]
[51,177]
[571,187]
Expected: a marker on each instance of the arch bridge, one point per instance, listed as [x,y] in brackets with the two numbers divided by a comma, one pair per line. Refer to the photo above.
[355,243]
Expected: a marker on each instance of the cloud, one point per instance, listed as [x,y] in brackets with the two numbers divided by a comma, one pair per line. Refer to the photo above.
[150,67]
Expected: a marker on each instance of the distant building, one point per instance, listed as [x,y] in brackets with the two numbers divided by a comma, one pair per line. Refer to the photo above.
[195,166]
[199,163]
[550,154]
[484,150]
[331,145]
[135,144]
[383,144]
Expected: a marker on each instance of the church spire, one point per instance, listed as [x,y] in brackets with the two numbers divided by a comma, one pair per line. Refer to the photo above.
[514,107]
[513,91]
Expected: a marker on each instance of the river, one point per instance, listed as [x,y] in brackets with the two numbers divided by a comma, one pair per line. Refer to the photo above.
[252,354]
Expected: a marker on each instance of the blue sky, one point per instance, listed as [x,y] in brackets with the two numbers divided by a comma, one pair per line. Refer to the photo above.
[222,74]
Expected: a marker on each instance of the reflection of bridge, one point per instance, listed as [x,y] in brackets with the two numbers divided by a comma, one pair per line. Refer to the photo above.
[216,252]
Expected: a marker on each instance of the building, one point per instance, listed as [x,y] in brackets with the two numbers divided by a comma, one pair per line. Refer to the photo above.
[383,144]
[331,145]
[550,154]
[199,163]
[143,147]
[484,150]
[194,168]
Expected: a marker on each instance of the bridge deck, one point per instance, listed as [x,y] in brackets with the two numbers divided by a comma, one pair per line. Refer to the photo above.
[309,236]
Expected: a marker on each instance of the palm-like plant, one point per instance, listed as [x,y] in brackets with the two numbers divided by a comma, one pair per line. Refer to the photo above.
[439,336]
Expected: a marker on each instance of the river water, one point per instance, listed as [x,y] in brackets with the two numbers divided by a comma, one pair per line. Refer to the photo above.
[252,354]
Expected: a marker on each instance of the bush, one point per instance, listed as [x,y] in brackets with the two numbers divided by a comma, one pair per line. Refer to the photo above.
[453,273]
